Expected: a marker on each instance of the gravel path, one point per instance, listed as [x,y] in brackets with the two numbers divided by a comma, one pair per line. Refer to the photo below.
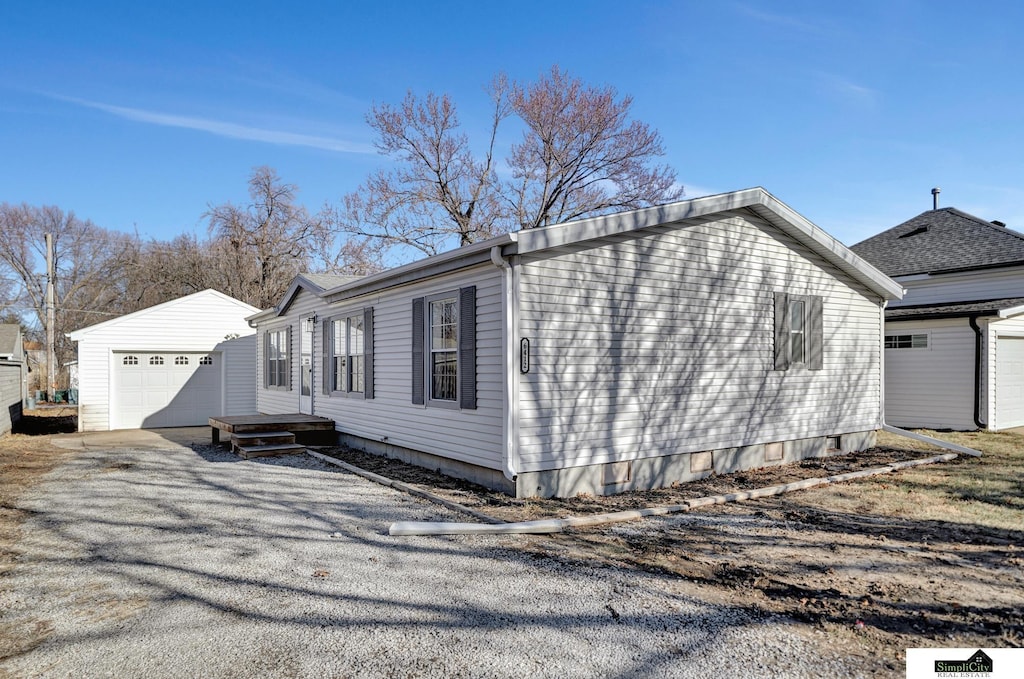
[182,563]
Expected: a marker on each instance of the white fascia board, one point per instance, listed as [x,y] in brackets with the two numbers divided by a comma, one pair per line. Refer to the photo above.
[765,204]
[76,335]
[1011,311]
[300,282]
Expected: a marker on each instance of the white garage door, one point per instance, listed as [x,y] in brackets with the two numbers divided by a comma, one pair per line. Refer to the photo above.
[167,389]
[1010,382]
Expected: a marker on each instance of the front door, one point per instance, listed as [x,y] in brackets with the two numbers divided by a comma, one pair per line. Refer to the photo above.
[306,367]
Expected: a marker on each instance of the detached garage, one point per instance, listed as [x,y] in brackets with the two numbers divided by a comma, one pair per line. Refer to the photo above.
[172,365]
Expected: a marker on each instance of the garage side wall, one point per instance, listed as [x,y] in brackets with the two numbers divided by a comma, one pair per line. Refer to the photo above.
[663,344]
[931,387]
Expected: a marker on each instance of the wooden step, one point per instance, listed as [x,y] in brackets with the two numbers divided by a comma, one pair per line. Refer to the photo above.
[249,452]
[262,438]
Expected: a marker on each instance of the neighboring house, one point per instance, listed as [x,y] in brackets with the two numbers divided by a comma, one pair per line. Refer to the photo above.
[623,352]
[174,364]
[13,376]
[954,355]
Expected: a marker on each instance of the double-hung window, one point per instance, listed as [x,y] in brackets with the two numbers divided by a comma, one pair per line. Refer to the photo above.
[444,349]
[350,361]
[277,358]
[444,343]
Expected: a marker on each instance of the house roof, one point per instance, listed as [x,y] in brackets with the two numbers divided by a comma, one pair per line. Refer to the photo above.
[1003,308]
[942,241]
[756,200]
[77,334]
[9,333]
[325,281]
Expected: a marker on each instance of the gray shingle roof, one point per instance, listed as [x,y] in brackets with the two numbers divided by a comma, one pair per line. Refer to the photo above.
[8,338]
[326,281]
[987,307]
[942,240]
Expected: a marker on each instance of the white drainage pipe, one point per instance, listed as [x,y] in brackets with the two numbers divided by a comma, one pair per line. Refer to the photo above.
[558,525]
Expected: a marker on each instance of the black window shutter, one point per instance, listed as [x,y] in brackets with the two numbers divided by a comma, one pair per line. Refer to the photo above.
[266,360]
[288,344]
[815,335]
[781,331]
[327,349]
[418,368]
[368,352]
[467,347]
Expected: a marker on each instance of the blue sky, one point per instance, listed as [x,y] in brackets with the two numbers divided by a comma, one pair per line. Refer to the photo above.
[138,115]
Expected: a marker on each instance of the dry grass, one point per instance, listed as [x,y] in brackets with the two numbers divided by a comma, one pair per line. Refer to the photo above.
[984,492]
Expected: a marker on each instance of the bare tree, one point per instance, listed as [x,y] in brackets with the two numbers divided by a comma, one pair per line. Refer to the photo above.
[580,155]
[88,260]
[264,244]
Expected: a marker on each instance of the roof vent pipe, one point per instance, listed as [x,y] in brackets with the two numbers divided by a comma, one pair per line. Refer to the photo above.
[935,198]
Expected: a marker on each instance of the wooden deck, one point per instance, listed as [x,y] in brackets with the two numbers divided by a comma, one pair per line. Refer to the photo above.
[289,422]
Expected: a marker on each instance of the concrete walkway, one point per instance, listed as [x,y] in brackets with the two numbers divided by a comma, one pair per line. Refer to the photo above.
[141,439]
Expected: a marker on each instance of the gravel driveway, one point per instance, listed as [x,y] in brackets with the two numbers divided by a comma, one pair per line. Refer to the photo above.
[187,563]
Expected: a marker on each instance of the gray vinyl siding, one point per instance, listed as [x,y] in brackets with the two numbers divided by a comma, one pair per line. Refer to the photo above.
[963,287]
[276,400]
[473,436]
[931,387]
[662,342]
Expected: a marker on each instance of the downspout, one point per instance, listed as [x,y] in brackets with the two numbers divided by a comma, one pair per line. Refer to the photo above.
[881,363]
[510,331]
[973,320]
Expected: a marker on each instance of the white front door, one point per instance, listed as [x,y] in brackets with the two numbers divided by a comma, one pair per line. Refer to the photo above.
[306,367]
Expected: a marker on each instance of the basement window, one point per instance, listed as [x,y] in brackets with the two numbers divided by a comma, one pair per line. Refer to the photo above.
[906,341]
[832,444]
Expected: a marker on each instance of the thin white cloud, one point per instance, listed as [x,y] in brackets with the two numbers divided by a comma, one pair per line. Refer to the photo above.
[849,90]
[695,191]
[782,20]
[224,129]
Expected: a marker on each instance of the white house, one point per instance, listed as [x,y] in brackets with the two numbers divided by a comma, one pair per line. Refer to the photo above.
[622,352]
[954,355]
[173,364]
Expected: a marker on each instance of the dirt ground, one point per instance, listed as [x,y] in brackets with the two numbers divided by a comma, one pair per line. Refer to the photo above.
[921,558]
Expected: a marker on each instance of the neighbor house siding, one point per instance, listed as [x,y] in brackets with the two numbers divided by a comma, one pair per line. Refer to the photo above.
[473,436]
[663,343]
[189,324]
[931,387]
[1006,328]
[10,394]
[963,287]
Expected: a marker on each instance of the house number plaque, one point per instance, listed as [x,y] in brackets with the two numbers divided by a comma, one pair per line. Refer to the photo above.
[524,355]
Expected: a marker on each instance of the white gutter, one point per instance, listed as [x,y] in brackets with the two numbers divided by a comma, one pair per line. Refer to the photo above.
[509,334]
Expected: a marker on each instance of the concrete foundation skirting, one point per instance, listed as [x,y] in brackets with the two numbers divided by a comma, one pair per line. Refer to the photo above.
[662,472]
[623,476]
[488,478]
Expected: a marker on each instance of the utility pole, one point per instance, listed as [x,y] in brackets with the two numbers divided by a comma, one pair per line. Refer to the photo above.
[51,354]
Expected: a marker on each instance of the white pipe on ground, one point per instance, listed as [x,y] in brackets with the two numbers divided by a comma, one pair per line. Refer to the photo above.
[930,439]
[558,525]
